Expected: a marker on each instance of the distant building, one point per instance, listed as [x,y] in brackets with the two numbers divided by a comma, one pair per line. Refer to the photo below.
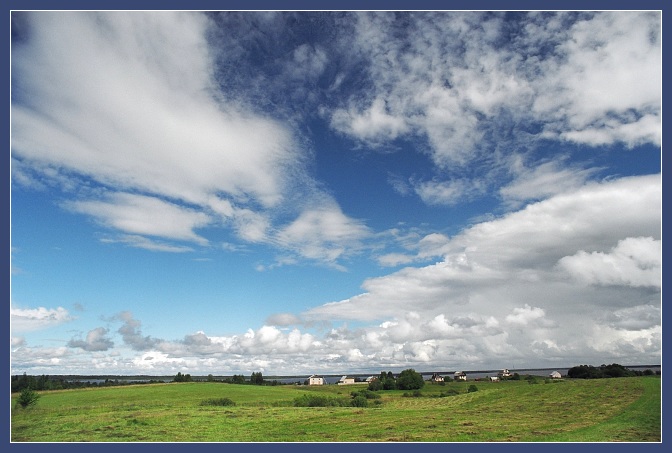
[315,380]
[460,376]
[346,380]
[371,379]
[504,373]
[436,378]
[555,375]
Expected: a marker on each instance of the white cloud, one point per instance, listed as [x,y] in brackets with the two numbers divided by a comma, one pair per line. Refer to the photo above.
[607,87]
[632,262]
[30,319]
[142,242]
[96,340]
[129,101]
[448,192]
[142,215]
[544,180]
[323,233]
[507,268]
[525,315]
[593,79]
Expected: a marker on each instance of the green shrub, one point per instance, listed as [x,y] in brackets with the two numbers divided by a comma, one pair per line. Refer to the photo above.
[359,401]
[449,392]
[218,402]
[320,401]
[27,398]
[413,394]
[368,394]
[472,388]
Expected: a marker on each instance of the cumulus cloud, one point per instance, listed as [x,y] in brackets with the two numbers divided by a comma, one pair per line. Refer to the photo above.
[131,333]
[508,268]
[452,81]
[632,262]
[96,340]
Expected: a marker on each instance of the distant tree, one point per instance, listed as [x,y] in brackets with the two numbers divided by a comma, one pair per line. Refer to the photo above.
[238,379]
[257,378]
[27,398]
[211,378]
[375,385]
[410,380]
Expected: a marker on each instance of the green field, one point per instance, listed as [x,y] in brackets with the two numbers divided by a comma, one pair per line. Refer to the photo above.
[599,410]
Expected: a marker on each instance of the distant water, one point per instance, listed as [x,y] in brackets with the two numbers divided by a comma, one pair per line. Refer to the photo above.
[333,379]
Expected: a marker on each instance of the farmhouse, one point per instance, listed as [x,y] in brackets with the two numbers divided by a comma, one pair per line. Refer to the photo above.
[436,378]
[315,380]
[371,379]
[555,375]
[346,380]
[504,373]
[460,376]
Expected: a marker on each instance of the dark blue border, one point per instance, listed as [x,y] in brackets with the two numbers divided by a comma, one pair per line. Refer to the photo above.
[321,5]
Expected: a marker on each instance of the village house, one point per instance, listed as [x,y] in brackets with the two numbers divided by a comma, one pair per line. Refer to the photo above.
[436,378]
[504,373]
[346,380]
[315,380]
[460,376]
[371,379]
[555,375]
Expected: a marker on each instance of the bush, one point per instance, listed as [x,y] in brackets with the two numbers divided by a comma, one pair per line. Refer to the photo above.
[472,388]
[27,398]
[413,394]
[359,401]
[449,392]
[319,401]
[218,402]
[368,394]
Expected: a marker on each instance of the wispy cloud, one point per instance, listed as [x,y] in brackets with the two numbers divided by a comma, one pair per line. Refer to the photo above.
[131,101]
[28,319]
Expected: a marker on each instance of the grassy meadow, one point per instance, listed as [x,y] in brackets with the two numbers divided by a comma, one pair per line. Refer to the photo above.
[598,410]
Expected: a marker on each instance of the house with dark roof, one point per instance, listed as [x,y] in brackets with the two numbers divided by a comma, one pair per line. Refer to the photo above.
[315,380]
[436,378]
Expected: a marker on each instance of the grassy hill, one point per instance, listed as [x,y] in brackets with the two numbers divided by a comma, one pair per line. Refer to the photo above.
[601,410]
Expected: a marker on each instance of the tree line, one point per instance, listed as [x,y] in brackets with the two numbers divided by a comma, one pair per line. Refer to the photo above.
[605,371]
[46,382]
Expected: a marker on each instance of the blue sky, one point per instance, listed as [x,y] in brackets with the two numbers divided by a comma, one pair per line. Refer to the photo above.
[322,192]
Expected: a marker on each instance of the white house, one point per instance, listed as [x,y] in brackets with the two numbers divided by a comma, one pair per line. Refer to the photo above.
[371,379]
[460,376]
[436,378]
[315,380]
[345,380]
[504,373]
[555,375]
